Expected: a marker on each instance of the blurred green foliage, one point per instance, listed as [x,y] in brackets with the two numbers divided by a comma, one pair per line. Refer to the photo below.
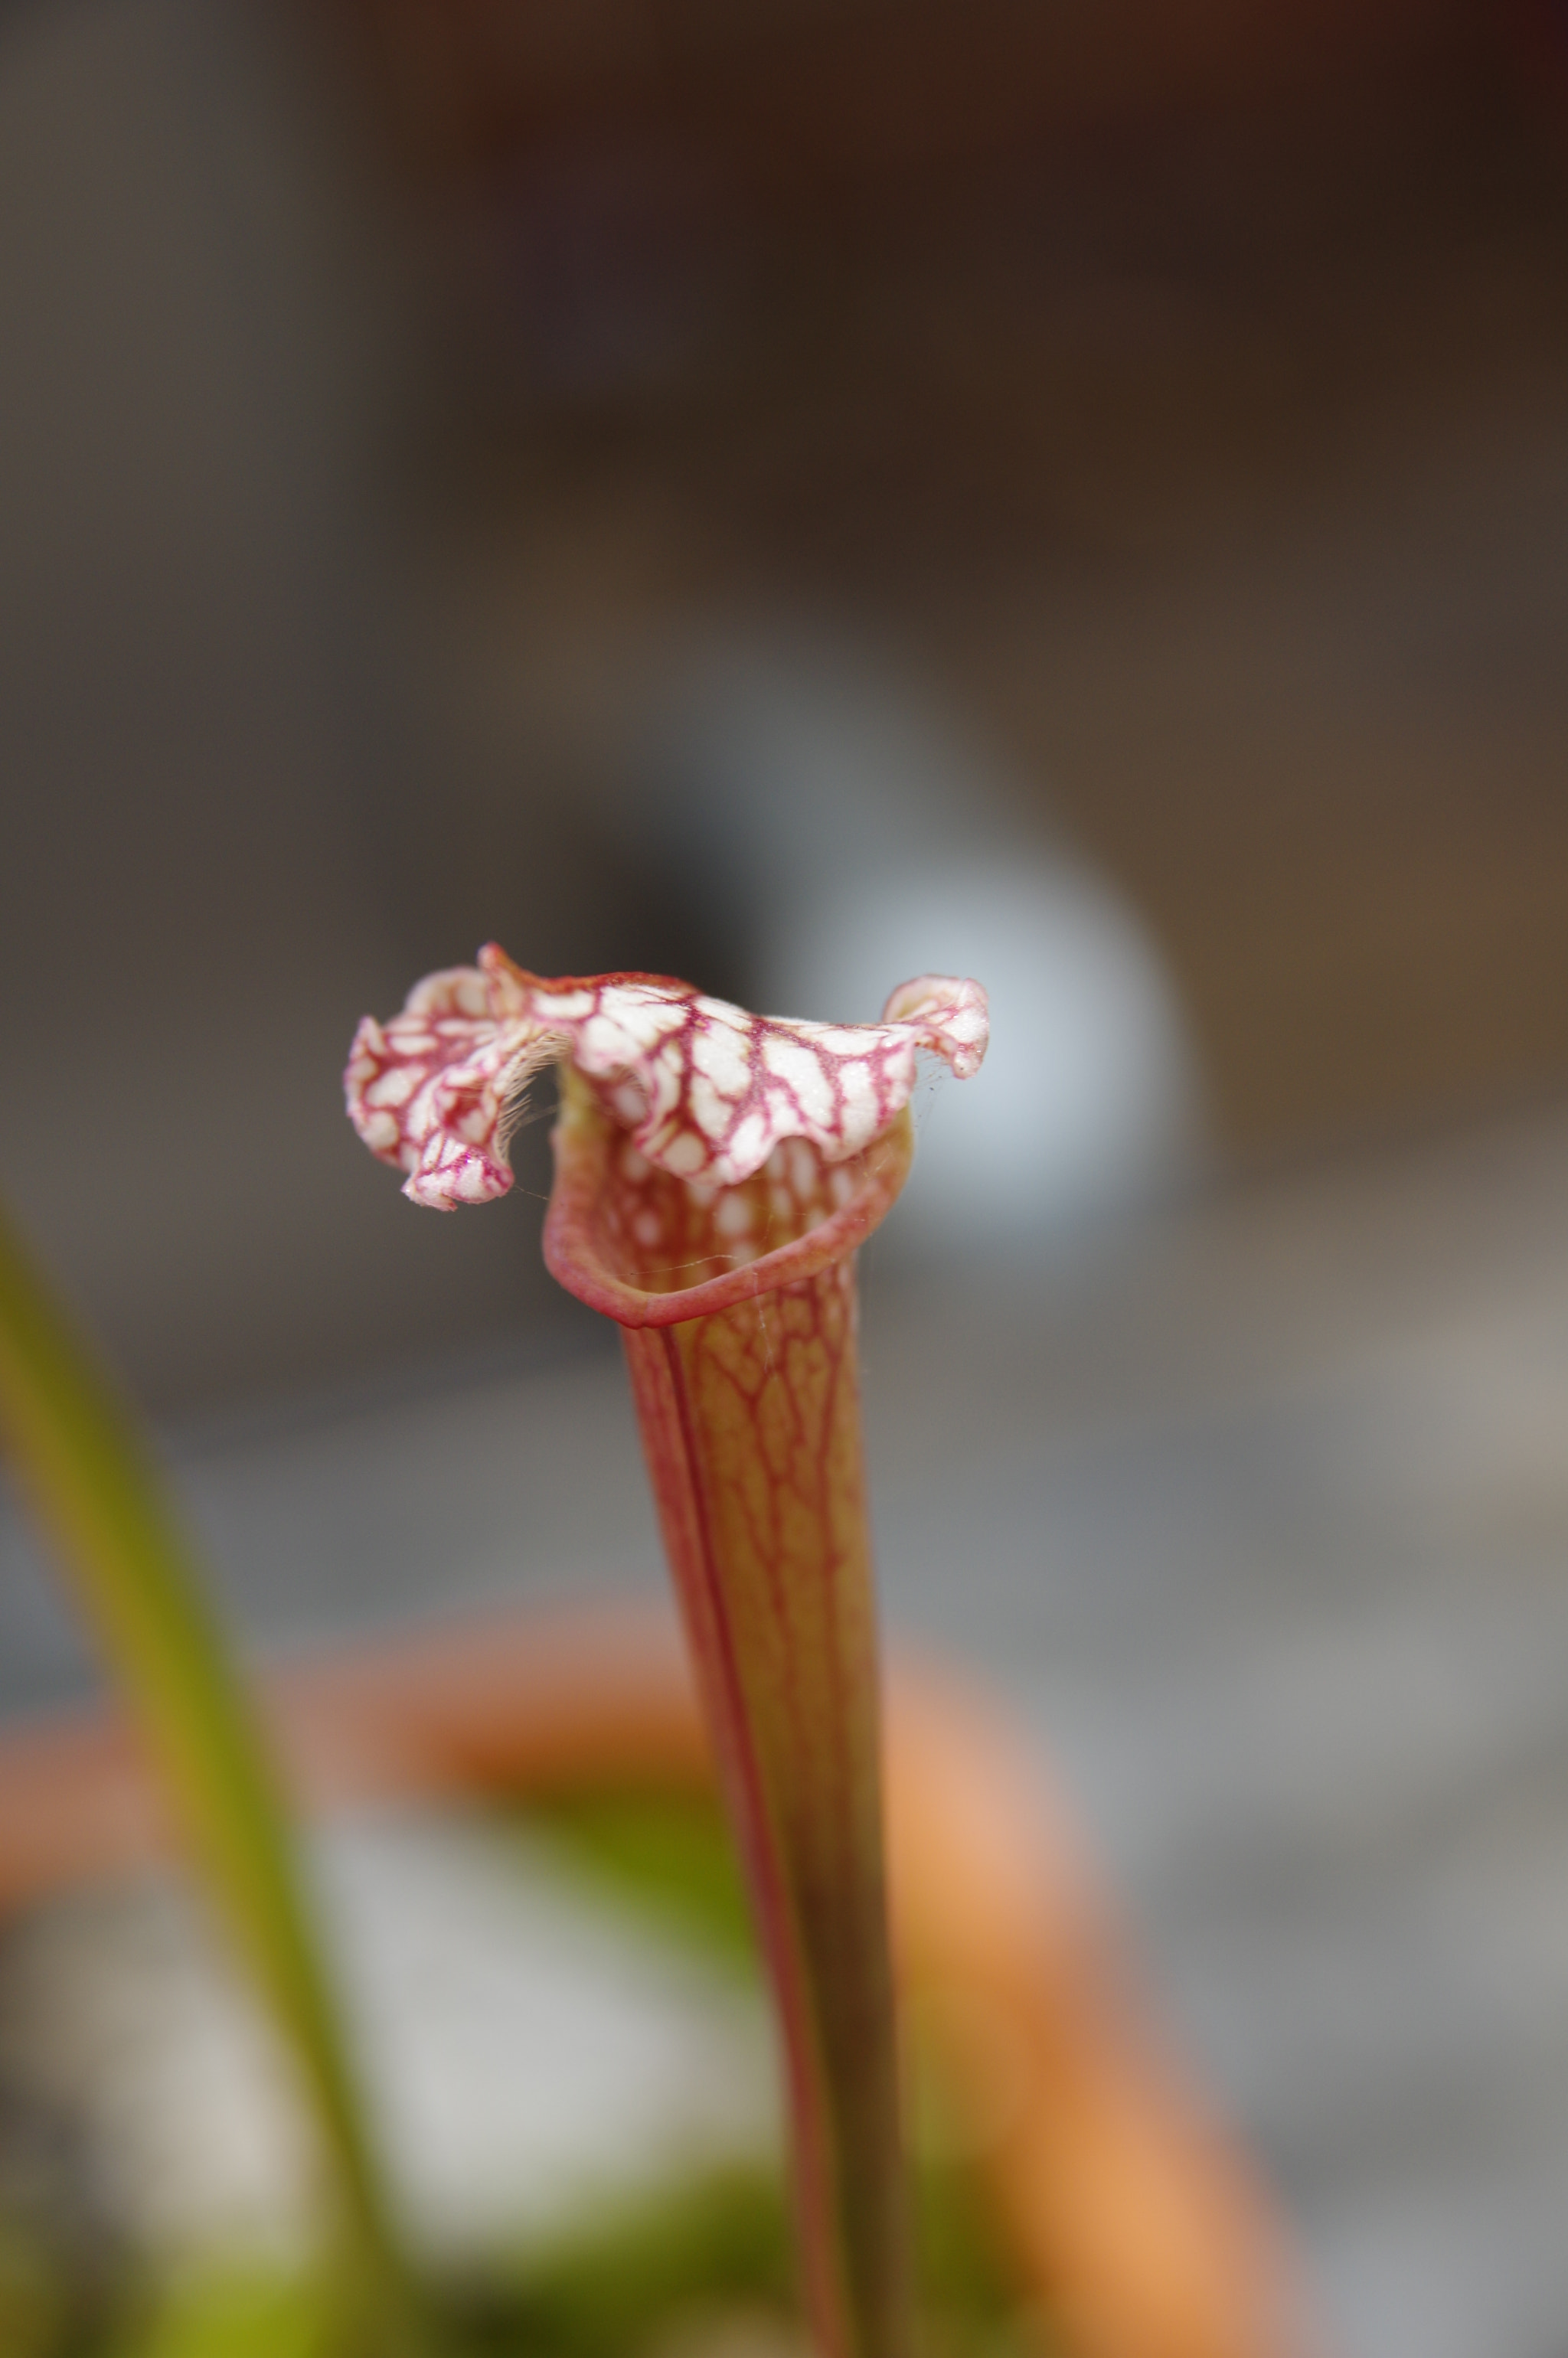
[706,2265]
[666,1856]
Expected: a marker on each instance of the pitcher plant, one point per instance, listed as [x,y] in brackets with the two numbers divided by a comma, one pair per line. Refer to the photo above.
[715,1173]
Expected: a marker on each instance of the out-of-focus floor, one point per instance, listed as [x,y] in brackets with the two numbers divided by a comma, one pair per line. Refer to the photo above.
[1263,1527]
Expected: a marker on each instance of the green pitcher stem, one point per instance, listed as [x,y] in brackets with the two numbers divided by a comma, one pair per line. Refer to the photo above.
[748,1394]
[751,1425]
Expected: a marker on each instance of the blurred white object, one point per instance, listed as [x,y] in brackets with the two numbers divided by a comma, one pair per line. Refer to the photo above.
[1085,1103]
[863,842]
[527,2048]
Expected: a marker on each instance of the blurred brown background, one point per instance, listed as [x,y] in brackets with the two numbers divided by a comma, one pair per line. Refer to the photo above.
[1176,386]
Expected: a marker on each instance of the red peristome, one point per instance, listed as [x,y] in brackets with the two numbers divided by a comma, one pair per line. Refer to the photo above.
[706,1091]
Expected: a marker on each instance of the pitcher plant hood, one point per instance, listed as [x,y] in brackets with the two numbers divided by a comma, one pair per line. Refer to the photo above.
[706,1091]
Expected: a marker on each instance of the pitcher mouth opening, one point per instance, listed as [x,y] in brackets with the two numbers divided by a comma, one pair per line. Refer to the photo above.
[647,1248]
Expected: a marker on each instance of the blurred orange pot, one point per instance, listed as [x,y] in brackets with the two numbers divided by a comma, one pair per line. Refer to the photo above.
[1129,2216]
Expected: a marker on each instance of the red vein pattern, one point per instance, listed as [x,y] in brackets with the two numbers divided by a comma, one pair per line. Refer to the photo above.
[714,1174]
[706,1091]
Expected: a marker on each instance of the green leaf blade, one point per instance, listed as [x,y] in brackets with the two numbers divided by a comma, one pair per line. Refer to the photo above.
[101,1501]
